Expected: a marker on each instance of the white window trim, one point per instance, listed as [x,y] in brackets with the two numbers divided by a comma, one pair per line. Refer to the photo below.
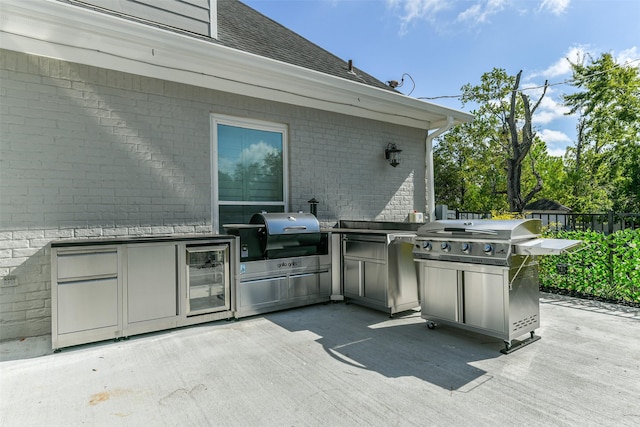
[215,120]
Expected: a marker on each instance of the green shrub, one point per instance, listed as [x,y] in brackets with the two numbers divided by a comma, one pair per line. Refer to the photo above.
[606,266]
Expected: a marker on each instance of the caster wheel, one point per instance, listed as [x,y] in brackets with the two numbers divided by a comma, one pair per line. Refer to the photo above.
[431,325]
[507,345]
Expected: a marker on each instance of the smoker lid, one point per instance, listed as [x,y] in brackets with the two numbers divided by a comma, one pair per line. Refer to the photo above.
[509,229]
[279,223]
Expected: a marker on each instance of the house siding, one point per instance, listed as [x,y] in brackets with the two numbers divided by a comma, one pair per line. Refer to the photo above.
[88,152]
[187,15]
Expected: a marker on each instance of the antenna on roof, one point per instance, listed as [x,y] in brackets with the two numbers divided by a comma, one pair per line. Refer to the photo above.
[393,84]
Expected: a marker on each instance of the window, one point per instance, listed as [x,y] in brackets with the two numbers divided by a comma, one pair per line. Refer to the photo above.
[248,169]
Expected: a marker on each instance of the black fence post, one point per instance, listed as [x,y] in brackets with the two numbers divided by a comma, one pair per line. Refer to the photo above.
[611,216]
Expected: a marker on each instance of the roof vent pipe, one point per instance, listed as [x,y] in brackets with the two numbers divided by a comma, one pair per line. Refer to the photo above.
[351,65]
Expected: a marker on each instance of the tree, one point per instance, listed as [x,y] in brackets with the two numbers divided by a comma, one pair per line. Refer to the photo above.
[552,171]
[504,117]
[467,172]
[604,164]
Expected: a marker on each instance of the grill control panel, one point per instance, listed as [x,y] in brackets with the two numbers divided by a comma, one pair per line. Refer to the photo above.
[494,253]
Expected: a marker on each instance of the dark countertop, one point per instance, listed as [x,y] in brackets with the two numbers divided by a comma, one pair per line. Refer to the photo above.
[139,239]
[368,231]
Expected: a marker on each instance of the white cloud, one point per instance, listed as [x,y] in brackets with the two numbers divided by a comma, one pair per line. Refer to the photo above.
[577,54]
[479,13]
[553,136]
[255,153]
[562,67]
[628,57]
[470,14]
[556,7]
[549,110]
[556,141]
[474,12]
[411,10]
[556,152]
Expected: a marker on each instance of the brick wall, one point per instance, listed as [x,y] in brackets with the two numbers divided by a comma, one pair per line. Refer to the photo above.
[88,152]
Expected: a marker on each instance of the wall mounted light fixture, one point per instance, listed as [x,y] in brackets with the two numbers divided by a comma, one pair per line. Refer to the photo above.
[392,154]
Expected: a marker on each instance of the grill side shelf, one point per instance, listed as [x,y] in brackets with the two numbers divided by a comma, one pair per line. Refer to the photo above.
[547,246]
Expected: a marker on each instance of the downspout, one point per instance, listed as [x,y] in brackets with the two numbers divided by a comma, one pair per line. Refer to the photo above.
[429,174]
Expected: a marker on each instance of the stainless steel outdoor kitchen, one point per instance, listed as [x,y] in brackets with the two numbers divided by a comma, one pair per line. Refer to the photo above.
[482,275]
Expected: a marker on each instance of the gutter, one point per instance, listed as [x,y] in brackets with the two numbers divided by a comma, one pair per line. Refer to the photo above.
[53,29]
[429,172]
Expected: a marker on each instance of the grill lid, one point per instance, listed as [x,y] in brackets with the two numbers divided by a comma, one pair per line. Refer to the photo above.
[510,229]
[287,223]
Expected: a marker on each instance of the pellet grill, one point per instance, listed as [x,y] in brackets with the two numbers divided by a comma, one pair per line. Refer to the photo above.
[482,275]
[285,262]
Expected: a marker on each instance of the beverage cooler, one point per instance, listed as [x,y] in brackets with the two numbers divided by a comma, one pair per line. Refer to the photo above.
[208,279]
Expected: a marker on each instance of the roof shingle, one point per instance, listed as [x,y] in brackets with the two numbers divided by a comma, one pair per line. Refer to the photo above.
[243,28]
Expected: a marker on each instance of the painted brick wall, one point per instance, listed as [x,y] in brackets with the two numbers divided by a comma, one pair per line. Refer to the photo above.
[88,152]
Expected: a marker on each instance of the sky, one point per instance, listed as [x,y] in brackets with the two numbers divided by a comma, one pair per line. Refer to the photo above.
[444,44]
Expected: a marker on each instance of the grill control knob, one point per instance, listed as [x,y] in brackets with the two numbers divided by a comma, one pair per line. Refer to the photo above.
[445,247]
[426,246]
[488,249]
[466,247]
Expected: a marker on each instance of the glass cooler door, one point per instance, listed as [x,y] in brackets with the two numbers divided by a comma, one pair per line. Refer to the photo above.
[208,279]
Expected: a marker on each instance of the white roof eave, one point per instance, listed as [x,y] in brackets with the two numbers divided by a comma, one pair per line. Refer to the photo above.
[59,30]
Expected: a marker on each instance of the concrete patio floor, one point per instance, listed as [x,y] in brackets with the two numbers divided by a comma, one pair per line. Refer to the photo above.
[336,365]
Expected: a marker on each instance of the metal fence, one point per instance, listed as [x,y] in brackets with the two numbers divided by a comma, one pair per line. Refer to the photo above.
[607,223]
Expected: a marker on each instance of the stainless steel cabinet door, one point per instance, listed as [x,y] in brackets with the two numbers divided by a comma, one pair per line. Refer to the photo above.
[352,277]
[375,282]
[484,304]
[440,294]
[151,282]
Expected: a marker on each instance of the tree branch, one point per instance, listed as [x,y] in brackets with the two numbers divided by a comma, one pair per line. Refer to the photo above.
[538,186]
[511,120]
[546,86]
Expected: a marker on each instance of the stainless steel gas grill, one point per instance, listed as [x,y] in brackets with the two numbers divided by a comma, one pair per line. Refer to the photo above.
[284,263]
[482,275]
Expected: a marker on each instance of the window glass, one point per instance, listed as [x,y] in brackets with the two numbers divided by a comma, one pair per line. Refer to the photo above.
[249,164]
[249,169]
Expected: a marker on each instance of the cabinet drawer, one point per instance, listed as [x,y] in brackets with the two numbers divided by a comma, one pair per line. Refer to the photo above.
[258,292]
[85,305]
[304,285]
[366,250]
[87,264]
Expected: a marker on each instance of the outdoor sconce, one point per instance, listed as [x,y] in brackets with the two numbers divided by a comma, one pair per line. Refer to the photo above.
[392,154]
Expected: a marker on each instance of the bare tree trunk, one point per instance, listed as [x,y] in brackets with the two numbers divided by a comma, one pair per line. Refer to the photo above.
[520,148]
